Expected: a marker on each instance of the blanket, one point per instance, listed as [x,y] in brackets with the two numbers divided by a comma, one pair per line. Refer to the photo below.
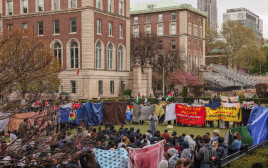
[146,111]
[15,120]
[115,113]
[39,119]
[159,111]
[112,159]
[170,112]
[148,156]
[136,112]
[4,121]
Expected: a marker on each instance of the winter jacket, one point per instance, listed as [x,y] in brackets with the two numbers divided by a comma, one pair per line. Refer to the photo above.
[222,150]
[205,155]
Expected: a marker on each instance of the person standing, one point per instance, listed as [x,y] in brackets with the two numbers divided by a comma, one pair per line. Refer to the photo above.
[153,123]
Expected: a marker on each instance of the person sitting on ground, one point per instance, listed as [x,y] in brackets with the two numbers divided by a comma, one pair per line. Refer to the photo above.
[94,133]
[148,135]
[187,163]
[236,144]
[221,148]
[123,142]
[216,134]
[192,136]
[186,152]
[137,141]
[206,154]
[179,163]
[163,164]
[145,141]
[190,141]
[68,138]
[173,156]
[165,135]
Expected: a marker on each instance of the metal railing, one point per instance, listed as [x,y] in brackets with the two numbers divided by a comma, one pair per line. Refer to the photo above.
[233,157]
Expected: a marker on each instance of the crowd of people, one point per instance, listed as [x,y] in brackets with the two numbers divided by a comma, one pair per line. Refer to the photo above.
[75,150]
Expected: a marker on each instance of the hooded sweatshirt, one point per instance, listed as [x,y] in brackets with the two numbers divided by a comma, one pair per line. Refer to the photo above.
[222,150]
[205,154]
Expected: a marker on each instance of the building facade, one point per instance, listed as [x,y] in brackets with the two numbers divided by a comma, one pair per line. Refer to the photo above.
[178,27]
[91,36]
[247,17]
[210,7]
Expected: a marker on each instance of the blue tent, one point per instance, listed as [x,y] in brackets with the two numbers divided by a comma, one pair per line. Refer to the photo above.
[258,128]
[64,114]
[256,112]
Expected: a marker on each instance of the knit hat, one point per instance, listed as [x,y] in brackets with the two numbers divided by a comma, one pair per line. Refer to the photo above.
[163,164]
[172,151]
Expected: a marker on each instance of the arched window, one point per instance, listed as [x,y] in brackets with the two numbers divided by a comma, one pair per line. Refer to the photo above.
[189,62]
[110,56]
[57,51]
[98,55]
[120,58]
[74,54]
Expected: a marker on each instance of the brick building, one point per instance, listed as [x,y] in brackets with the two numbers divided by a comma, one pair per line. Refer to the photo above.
[176,26]
[89,35]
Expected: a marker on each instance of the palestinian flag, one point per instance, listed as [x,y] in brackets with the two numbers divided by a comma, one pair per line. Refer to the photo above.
[137,99]
[238,100]
[170,95]
[249,94]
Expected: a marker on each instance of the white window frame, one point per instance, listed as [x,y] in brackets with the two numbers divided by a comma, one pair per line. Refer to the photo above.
[110,56]
[98,26]
[24,25]
[148,19]
[73,82]
[160,17]
[189,45]
[75,56]
[70,3]
[136,20]
[111,87]
[110,29]
[39,28]
[58,51]
[158,32]
[148,32]
[189,28]
[7,8]
[98,52]
[173,31]
[110,6]
[174,44]
[171,15]
[121,31]
[136,34]
[54,24]
[120,58]
[201,47]
[22,9]
[53,4]
[71,26]
[37,6]
[121,11]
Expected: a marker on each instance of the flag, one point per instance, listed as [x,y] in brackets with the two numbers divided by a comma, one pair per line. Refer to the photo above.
[249,94]
[77,72]
[220,97]
[137,99]
[238,100]
[170,95]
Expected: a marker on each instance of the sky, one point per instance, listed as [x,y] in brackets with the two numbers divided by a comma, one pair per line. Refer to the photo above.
[259,7]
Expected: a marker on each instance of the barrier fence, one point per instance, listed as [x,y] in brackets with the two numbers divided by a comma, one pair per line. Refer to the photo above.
[233,157]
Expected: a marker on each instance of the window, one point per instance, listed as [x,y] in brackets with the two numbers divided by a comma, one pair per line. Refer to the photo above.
[73,25]
[40,28]
[160,30]
[100,87]
[24,6]
[173,16]
[110,56]
[121,31]
[200,32]
[121,6]
[73,3]
[136,32]
[195,46]
[56,26]
[189,63]
[112,87]
[173,29]
[10,7]
[73,86]
[201,47]
[40,5]
[160,17]
[120,57]
[57,51]
[110,28]
[189,45]
[56,4]
[74,54]
[110,5]
[160,45]
[148,30]
[136,20]
[98,4]
[98,55]
[200,60]
[148,18]
[99,26]
[9,27]
[173,44]
[189,28]
[189,17]
[24,25]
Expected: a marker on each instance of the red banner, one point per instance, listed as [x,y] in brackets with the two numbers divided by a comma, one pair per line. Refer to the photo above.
[190,115]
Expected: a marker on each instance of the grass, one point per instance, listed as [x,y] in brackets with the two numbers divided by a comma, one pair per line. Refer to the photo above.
[259,155]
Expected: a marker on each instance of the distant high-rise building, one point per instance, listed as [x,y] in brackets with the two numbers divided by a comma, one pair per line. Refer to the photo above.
[210,7]
[247,17]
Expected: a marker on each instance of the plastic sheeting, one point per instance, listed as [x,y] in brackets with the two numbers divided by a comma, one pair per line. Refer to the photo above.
[136,112]
[244,133]
[170,112]
[256,112]
[258,129]
[4,121]
[214,105]
[90,114]
[159,111]
[146,111]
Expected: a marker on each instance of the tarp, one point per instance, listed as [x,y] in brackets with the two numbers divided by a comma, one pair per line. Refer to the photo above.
[39,119]
[159,111]
[236,105]
[90,114]
[64,114]
[243,131]
[136,112]
[148,156]
[258,129]
[115,113]
[190,115]
[4,121]
[170,112]
[256,112]
[146,111]
[15,120]
[112,159]
[214,104]
[224,113]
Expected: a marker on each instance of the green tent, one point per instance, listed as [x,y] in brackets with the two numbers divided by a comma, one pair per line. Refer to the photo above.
[243,131]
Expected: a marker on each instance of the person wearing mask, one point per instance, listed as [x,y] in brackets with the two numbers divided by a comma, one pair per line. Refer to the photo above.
[236,142]
[206,154]
[173,156]
[221,148]
[153,123]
